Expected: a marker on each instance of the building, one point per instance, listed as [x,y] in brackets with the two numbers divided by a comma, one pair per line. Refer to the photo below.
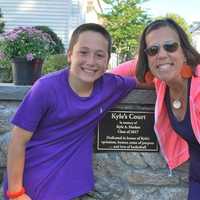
[195,31]
[62,16]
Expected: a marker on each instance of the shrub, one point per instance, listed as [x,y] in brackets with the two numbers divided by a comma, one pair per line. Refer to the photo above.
[58,47]
[5,70]
[54,63]
[2,24]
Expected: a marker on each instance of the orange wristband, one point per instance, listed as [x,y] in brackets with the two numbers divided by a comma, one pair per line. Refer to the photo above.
[13,195]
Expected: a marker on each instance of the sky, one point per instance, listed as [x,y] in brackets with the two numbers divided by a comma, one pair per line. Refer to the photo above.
[188,9]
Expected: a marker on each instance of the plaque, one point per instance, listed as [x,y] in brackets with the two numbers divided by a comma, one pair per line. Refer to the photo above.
[127,131]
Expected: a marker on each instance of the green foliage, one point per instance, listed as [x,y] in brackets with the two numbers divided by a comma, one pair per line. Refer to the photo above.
[179,20]
[125,21]
[2,24]
[58,47]
[26,42]
[5,70]
[54,63]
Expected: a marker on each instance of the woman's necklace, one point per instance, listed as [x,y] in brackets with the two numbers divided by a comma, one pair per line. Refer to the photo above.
[177,103]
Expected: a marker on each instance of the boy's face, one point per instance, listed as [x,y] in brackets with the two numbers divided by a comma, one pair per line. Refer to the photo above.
[89,57]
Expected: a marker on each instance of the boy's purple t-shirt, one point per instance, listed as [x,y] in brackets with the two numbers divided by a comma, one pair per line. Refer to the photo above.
[58,163]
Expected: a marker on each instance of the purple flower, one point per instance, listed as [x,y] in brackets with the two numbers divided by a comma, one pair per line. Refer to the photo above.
[27,42]
[11,36]
[2,55]
[29,56]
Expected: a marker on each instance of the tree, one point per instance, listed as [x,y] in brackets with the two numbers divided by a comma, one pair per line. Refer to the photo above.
[179,20]
[1,22]
[125,21]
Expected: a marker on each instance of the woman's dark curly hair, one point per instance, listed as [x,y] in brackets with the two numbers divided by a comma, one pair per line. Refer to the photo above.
[192,56]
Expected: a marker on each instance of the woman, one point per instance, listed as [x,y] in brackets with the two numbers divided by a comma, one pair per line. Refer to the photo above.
[166,54]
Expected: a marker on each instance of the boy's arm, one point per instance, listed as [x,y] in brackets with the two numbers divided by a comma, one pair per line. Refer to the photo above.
[16,159]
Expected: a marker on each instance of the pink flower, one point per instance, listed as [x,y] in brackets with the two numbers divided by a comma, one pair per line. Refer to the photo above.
[29,56]
[27,42]
[2,55]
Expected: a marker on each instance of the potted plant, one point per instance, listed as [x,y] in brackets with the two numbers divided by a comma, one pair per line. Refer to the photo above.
[27,47]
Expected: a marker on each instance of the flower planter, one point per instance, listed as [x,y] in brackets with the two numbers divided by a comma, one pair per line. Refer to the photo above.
[26,72]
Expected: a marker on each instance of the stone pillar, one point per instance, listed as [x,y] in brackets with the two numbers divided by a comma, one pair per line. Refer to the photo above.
[119,175]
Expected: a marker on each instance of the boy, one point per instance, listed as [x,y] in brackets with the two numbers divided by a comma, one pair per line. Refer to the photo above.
[50,152]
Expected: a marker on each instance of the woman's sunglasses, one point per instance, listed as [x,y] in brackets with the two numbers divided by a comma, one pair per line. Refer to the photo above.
[167,46]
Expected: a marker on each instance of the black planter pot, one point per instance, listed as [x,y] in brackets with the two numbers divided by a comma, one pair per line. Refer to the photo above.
[26,72]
